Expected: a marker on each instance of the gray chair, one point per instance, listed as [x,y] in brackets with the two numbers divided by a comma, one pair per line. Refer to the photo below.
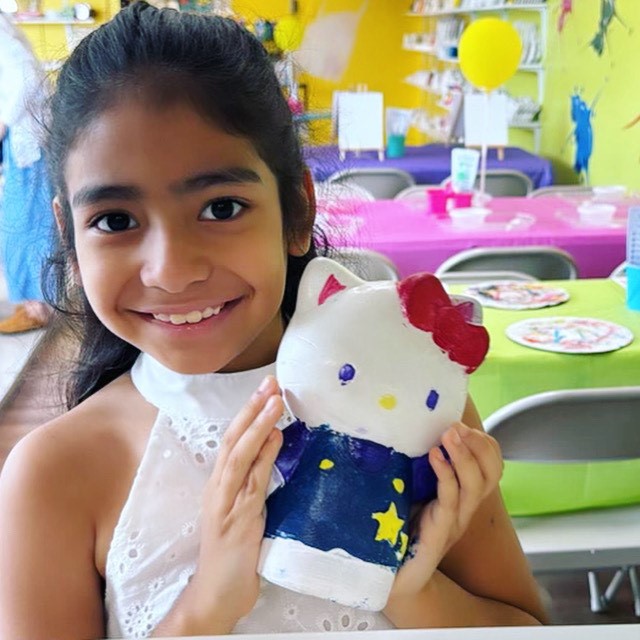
[620,271]
[383,183]
[577,425]
[504,182]
[477,277]
[366,263]
[562,190]
[334,192]
[541,262]
[415,192]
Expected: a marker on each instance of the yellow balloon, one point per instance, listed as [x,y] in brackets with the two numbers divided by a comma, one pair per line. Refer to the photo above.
[489,52]
[287,34]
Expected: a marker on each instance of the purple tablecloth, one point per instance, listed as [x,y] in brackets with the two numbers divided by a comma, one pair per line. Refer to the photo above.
[428,164]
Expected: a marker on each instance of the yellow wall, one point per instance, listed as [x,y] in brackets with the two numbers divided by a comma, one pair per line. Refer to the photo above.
[377,61]
[50,40]
[572,63]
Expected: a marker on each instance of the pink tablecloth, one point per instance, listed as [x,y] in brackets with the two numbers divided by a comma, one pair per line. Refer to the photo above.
[417,241]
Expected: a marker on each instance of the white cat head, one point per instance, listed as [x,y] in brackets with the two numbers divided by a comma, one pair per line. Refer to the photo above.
[381,361]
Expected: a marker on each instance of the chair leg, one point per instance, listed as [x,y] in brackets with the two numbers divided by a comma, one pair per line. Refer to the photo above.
[597,602]
[614,585]
[635,589]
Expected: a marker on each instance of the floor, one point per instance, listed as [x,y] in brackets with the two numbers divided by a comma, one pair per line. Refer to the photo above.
[30,380]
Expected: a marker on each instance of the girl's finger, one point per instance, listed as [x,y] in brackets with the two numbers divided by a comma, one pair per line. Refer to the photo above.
[466,467]
[488,456]
[244,419]
[448,489]
[260,472]
[246,450]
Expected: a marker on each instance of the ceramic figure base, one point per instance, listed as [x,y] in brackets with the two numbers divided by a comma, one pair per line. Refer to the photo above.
[334,575]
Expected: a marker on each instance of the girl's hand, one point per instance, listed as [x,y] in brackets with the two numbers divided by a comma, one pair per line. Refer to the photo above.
[233,511]
[473,472]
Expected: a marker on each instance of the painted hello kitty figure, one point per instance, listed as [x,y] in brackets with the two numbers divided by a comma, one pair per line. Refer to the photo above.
[374,373]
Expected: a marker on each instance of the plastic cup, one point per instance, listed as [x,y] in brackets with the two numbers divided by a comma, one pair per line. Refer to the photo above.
[437,200]
[395,146]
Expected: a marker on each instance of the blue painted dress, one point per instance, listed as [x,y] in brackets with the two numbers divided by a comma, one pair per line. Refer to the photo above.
[344,492]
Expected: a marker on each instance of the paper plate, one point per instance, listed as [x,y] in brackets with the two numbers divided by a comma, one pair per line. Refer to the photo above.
[509,294]
[566,334]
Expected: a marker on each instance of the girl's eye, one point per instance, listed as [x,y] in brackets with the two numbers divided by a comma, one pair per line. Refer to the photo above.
[115,222]
[224,209]
[346,374]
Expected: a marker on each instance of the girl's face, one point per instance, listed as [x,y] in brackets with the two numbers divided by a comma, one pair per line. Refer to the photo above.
[179,238]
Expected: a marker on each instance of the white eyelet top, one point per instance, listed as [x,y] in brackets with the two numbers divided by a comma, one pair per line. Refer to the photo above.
[155,544]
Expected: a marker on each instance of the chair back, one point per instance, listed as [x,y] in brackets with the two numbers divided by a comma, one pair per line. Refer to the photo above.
[477,277]
[416,192]
[541,262]
[620,271]
[562,190]
[366,263]
[334,192]
[503,182]
[384,184]
[570,425]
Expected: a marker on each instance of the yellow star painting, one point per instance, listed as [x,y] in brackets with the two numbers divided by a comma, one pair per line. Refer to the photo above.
[389,525]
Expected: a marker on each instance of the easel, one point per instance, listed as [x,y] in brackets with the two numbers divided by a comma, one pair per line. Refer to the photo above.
[358,121]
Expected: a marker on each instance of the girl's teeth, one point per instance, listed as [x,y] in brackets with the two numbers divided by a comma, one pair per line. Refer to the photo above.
[192,317]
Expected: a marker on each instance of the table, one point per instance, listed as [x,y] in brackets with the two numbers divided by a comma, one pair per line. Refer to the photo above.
[565,632]
[417,241]
[428,164]
[511,371]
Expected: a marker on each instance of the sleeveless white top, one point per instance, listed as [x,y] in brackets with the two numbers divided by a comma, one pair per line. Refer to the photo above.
[155,544]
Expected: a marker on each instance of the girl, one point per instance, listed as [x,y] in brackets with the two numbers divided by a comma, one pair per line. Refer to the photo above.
[186,220]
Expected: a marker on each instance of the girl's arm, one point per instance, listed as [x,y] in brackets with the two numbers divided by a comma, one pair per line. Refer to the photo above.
[49,586]
[468,568]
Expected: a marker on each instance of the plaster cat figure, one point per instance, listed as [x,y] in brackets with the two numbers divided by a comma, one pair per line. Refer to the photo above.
[374,373]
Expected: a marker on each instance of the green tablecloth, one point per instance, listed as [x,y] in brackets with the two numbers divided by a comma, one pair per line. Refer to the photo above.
[512,371]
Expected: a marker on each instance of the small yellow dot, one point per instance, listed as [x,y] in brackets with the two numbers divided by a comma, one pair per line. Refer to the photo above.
[398,485]
[388,401]
[326,464]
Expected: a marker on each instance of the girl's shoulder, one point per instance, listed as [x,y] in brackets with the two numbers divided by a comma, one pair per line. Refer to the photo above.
[84,454]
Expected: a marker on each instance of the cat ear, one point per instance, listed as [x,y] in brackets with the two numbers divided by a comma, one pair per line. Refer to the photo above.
[322,279]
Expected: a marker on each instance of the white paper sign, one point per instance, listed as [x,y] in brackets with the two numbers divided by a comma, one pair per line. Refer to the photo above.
[359,118]
[485,120]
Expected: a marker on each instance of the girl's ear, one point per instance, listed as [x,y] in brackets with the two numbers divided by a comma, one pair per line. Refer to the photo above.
[61,224]
[301,243]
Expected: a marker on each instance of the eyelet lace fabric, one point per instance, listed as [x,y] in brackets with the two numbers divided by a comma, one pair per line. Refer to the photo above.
[155,544]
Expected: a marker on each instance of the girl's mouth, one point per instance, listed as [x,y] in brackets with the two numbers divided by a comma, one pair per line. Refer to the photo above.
[192,317]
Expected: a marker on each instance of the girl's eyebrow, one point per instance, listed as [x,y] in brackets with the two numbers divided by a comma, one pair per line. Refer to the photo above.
[233,175]
[211,178]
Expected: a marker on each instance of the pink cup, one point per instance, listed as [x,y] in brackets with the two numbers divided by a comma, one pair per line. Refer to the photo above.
[437,200]
[460,200]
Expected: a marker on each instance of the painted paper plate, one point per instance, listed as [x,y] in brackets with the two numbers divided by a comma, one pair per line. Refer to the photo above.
[565,334]
[509,294]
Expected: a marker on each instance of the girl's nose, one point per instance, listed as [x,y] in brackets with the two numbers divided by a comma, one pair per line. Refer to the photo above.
[172,262]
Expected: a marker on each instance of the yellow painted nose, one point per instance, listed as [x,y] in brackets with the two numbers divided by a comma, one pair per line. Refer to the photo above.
[388,401]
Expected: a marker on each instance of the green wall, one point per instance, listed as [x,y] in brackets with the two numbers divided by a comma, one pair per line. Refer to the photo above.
[611,80]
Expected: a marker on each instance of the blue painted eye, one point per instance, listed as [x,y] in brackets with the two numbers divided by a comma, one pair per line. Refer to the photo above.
[347,373]
[432,399]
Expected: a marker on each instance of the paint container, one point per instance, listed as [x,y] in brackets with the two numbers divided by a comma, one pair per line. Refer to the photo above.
[464,169]
[437,201]
[460,200]
[395,146]
[633,287]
